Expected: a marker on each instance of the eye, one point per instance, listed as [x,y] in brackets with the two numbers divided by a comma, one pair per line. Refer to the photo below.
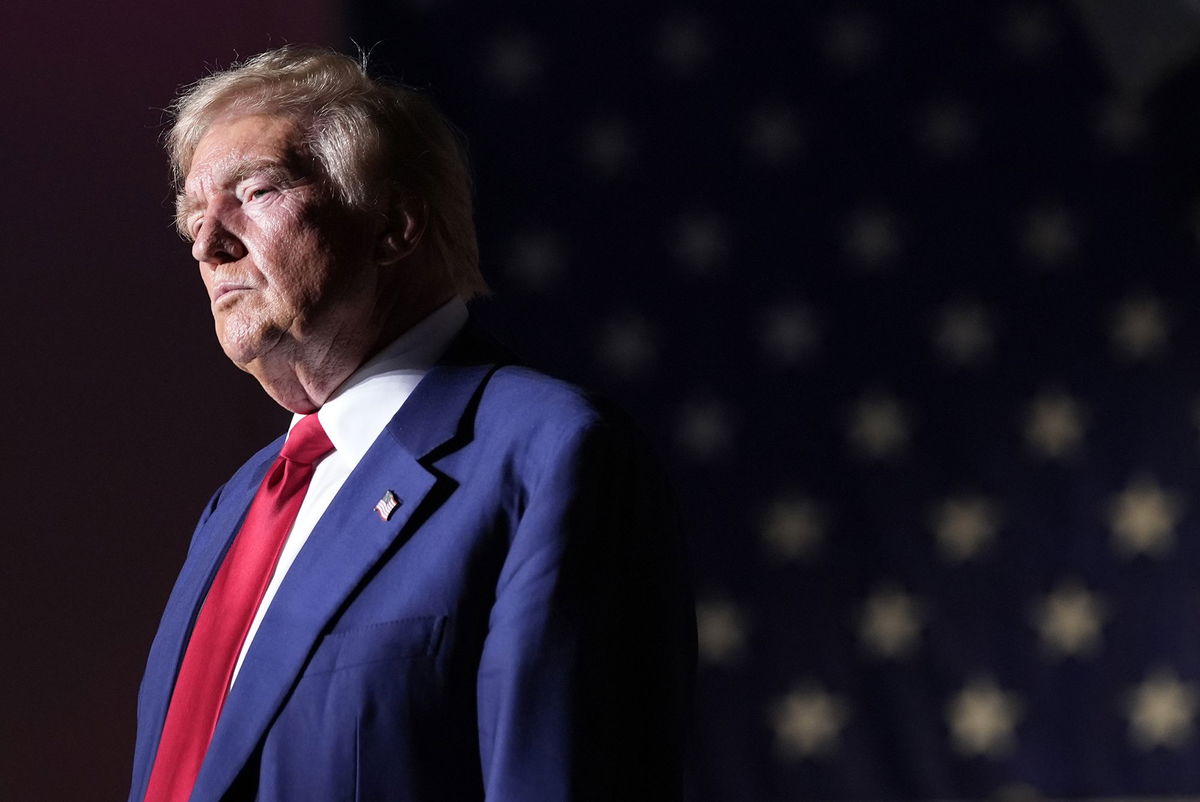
[258,194]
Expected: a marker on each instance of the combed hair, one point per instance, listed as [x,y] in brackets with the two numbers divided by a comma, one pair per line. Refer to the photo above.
[382,146]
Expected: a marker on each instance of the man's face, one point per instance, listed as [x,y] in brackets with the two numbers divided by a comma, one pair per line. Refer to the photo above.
[287,268]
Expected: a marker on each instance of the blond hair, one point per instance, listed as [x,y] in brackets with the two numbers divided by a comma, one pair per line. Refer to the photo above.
[383,147]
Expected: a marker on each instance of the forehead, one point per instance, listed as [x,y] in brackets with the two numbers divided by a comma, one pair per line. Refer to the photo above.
[233,146]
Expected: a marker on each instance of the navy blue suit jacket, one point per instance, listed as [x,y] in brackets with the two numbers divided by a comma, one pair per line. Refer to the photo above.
[520,629]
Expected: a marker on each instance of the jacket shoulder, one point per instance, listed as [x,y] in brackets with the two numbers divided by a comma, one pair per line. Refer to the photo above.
[524,398]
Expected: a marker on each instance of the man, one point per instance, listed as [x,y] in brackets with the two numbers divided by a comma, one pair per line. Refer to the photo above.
[454,578]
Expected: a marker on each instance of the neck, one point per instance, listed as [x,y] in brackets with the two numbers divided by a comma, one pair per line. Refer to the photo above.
[303,379]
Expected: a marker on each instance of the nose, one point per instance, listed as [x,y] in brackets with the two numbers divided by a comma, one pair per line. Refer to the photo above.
[215,244]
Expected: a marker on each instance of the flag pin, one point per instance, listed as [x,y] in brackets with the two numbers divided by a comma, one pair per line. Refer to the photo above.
[387,505]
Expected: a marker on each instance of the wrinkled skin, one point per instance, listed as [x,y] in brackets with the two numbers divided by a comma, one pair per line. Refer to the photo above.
[302,289]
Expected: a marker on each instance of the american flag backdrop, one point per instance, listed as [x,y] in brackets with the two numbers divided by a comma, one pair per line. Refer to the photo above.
[905,295]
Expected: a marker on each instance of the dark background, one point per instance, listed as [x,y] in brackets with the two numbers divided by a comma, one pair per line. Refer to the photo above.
[854,266]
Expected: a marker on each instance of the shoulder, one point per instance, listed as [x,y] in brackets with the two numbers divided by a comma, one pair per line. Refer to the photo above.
[519,386]
[543,426]
[534,403]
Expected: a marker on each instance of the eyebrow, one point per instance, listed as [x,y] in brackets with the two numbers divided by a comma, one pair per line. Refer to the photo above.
[275,171]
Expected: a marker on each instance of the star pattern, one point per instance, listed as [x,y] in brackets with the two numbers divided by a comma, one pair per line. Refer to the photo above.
[1143,517]
[983,719]
[537,259]
[1162,711]
[773,137]
[705,429]
[608,146]
[964,334]
[794,527]
[701,242]
[1139,328]
[872,237]
[685,44]
[720,631]
[1054,427]
[627,345]
[964,526]
[891,623]
[852,40]
[789,333]
[946,130]
[808,721]
[879,427]
[1069,620]
[903,300]
[1051,235]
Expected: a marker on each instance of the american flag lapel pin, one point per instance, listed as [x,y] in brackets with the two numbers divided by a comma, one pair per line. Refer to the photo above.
[387,505]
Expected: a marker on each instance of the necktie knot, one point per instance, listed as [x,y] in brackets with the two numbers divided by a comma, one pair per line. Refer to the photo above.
[306,442]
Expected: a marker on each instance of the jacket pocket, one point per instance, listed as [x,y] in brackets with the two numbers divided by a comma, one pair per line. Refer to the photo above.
[402,638]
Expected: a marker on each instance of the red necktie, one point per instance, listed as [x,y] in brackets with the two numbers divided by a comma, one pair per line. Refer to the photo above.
[228,610]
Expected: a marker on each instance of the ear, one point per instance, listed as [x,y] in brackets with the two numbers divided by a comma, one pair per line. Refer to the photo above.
[401,234]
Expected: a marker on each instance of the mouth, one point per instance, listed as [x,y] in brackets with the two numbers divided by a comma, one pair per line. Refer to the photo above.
[227,288]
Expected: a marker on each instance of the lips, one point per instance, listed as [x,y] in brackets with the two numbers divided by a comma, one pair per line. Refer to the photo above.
[226,288]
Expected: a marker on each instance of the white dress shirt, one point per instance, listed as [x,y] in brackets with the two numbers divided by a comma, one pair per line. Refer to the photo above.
[353,417]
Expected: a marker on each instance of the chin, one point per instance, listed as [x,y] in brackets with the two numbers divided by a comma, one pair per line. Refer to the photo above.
[241,353]
[245,345]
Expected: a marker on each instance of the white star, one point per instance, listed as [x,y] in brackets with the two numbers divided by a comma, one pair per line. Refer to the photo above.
[1054,425]
[1139,328]
[684,44]
[1121,124]
[946,130]
[794,527]
[964,525]
[982,718]
[808,721]
[1028,31]
[891,623]
[513,62]
[851,40]
[788,333]
[1143,518]
[701,242]
[1161,710]
[1069,620]
[536,259]
[879,427]
[963,334]
[627,345]
[704,428]
[1050,234]
[607,146]
[772,136]
[872,237]
[720,631]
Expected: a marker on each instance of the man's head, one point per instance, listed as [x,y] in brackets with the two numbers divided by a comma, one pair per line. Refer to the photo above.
[327,210]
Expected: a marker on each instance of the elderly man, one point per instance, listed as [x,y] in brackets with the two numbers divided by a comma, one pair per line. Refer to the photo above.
[453,578]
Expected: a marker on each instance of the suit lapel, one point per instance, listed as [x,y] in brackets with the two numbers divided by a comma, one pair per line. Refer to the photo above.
[347,542]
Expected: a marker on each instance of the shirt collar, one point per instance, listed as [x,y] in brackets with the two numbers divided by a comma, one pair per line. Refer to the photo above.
[362,406]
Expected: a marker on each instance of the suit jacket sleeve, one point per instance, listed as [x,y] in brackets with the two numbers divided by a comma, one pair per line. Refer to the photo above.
[585,676]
